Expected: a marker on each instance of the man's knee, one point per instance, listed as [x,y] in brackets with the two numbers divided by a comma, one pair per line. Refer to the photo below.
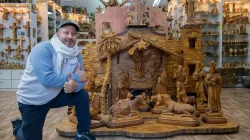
[82,95]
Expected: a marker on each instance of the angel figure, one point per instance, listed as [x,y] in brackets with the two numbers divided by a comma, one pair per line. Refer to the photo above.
[140,60]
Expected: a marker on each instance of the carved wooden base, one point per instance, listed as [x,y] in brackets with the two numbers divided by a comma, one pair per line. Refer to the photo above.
[158,110]
[214,118]
[144,108]
[201,108]
[178,120]
[125,121]
[94,123]
[151,129]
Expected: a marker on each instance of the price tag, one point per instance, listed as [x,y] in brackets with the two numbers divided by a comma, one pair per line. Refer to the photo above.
[220,27]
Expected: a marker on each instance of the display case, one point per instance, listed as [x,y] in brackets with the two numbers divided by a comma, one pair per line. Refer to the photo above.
[18,33]
[208,16]
[235,41]
[51,15]
[235,34]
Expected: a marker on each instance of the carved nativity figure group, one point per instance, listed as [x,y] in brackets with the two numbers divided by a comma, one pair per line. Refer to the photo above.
[125,111]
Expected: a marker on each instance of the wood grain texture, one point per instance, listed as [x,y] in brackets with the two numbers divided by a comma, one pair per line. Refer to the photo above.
[235,105]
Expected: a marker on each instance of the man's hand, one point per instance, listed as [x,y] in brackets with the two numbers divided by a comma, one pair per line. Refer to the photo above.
[81,73]
[70,86]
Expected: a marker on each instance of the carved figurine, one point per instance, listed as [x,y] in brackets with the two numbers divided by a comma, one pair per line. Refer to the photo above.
[161,85]
[123,85]
[130,18]
[176,33]
[231,52]
[181,77]
[198,77]
[189,7]
[137,55]
[187,99]
[143,19]
[125,113]
[213,81]
[112,3]
[186,110]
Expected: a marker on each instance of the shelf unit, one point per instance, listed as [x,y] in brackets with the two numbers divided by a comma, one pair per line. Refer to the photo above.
[211,34]
[51,14]
[236,34]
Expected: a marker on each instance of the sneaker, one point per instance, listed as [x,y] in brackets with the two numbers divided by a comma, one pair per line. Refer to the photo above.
[85,136]
[16,122]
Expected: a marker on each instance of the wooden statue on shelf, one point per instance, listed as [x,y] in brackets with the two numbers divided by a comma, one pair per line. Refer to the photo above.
[213,81]
[125,113]
[176,32]
[130,19]
[178,113]
[181,76]
[190,8]
[123,85]
[112,3]
[199,76]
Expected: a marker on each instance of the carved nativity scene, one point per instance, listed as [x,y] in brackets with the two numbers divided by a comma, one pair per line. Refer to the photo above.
[147,77]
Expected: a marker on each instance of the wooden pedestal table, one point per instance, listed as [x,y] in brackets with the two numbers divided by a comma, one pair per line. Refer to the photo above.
[151,129]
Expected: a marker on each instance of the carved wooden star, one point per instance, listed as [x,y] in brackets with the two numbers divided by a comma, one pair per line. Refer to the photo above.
[99,9]
[142,45]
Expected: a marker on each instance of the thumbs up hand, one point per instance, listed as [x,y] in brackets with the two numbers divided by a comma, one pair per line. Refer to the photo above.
[81,73]
[71,85]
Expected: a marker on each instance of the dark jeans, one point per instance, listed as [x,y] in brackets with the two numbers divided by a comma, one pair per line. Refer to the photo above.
[33,116]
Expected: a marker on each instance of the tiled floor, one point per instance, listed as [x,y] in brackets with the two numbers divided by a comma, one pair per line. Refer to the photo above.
[235,104]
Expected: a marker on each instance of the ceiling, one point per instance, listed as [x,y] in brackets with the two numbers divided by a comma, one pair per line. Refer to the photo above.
[91,5]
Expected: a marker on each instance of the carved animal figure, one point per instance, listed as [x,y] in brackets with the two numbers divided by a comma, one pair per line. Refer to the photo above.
[187,99]
[129,98]
[123,108]
[186,110]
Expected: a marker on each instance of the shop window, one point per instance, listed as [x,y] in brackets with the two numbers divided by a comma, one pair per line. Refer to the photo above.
[106,27]
[192,41]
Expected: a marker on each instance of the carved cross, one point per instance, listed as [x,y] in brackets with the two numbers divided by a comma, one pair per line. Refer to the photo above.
[28,49]
[18,55]
[21,41]
[13,13]
[1,30]
[14,27]
[27,26]
[9,50]
[5,12]
[20,17]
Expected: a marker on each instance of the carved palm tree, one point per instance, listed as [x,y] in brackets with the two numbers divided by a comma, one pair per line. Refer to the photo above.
[108,45]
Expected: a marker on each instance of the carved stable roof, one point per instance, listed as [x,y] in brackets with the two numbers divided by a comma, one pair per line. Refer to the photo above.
[146,35]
